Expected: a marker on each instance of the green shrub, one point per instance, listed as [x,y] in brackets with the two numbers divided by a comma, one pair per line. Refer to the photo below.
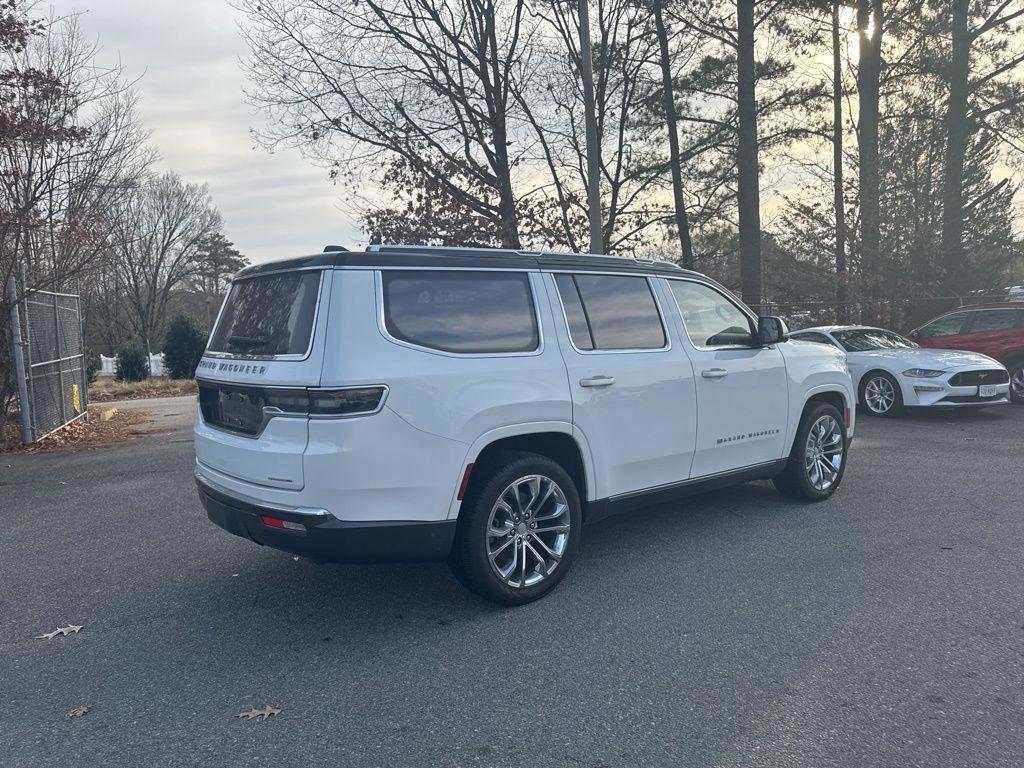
[183,347]
[132,363]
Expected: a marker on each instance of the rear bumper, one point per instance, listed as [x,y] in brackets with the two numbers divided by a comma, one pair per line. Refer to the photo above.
[323,537]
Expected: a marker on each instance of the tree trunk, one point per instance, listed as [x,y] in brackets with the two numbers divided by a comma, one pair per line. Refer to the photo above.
[842,310]
[682,221]
[748,194]
[870,18]
[958,130]
[590,121]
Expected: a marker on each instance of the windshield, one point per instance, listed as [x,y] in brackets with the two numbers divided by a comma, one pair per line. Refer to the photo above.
[867,339]
[269,315]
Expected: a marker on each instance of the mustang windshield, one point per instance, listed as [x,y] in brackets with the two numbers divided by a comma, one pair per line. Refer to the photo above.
[868,339]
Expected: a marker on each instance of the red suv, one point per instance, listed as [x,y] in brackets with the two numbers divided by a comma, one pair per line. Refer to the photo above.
[996,330]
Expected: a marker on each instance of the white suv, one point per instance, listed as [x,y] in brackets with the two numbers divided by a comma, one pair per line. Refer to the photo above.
[411,403]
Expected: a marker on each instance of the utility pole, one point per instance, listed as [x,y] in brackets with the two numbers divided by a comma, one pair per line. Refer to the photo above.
[24,406]
[590,121]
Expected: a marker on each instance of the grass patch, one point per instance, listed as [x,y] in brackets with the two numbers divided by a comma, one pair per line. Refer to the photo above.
[107,388]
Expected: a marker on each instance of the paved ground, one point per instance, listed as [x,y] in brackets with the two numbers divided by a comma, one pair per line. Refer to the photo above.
[173,414]
[883,628]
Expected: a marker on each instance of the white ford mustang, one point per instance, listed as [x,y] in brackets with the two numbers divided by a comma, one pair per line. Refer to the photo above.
[891,372]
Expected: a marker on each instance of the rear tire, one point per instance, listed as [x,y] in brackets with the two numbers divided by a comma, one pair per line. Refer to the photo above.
[1016,369]
[818,460]
[518,530]
[880,394]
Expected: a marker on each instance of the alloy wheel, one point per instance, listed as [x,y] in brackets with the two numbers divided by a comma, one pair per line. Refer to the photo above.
[823,457]
[528,531]
[879,395]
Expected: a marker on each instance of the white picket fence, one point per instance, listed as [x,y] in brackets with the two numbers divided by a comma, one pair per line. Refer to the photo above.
[108,365]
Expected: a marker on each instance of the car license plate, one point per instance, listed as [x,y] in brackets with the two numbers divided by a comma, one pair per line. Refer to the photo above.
[987,390]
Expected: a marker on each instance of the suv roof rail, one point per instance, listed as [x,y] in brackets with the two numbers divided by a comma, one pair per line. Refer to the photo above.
[442,250]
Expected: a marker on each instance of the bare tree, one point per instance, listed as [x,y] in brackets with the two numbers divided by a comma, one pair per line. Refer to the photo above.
[358,82]
[161,230]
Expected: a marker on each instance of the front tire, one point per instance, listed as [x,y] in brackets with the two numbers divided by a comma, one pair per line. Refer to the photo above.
[818,460]
[1017,382]
[881,395]
[518,530]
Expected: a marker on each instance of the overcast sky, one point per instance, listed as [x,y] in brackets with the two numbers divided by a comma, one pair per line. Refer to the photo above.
[187,54]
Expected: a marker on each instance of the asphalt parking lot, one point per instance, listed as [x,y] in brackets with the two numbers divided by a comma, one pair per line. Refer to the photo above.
[884,627]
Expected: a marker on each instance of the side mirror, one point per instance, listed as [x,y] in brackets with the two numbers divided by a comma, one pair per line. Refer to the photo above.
[771,330]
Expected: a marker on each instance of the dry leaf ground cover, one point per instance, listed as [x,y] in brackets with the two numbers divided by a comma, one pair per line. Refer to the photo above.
[106,389]
[85,433]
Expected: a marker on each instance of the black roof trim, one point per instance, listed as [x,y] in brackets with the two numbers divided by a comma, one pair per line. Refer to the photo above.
[470,258]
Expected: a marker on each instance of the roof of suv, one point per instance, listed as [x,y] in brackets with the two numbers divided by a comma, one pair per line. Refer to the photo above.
[473,258]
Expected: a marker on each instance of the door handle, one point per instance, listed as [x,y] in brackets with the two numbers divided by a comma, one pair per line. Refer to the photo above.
[598,381]
[714,373]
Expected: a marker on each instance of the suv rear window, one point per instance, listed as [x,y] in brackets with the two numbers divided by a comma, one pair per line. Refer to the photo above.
[268,315]
[610,312]
[464,312]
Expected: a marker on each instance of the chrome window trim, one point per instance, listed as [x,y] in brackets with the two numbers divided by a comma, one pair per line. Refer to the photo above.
[285,358]
[383,328]
[744,310]
[628,350]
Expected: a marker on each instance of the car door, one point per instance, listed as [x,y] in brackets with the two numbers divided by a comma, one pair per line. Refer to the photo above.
[742,388]
[946,332]
[992,331]
[633,390]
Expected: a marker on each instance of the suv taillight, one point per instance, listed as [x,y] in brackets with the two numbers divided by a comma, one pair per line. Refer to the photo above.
[350,401]
[345,402]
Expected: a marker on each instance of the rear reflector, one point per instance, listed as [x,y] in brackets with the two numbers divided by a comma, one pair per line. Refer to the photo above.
[285,525]
[465,482]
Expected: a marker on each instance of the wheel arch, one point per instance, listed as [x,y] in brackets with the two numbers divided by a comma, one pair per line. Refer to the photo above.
[831,394]
[559,441]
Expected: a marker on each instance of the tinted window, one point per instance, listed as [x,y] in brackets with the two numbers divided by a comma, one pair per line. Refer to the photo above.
[270,315]
[579,328]
[613,313]
[814,336]
[996,320]
[867,339]
[711,320]
[468,312]
[949,325]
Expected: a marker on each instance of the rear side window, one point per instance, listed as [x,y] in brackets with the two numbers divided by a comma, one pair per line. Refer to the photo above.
[989,320]
[268,315]
[464,312]
[950,325]
[610,312]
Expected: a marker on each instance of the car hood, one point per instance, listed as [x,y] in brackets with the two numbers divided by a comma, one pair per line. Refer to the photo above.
[927,358]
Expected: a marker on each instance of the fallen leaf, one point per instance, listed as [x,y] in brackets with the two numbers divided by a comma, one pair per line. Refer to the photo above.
[70,629]
[79,711]
[260,714]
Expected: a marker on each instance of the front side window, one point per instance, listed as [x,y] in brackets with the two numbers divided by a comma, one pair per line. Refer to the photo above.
[991,320]
[463,312]
[610,312]
[869,339]
[950,325]
[711,320]
[268,315]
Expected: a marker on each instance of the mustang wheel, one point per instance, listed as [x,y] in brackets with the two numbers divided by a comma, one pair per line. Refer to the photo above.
[880,394]
[518,532]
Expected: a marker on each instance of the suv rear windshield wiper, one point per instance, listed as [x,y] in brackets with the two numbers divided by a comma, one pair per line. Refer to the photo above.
[247,341]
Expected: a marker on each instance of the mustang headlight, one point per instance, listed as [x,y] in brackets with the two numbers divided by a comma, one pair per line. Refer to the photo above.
[922,373]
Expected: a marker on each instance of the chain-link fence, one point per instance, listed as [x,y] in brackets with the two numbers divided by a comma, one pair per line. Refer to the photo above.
[901,315]
[55,365]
